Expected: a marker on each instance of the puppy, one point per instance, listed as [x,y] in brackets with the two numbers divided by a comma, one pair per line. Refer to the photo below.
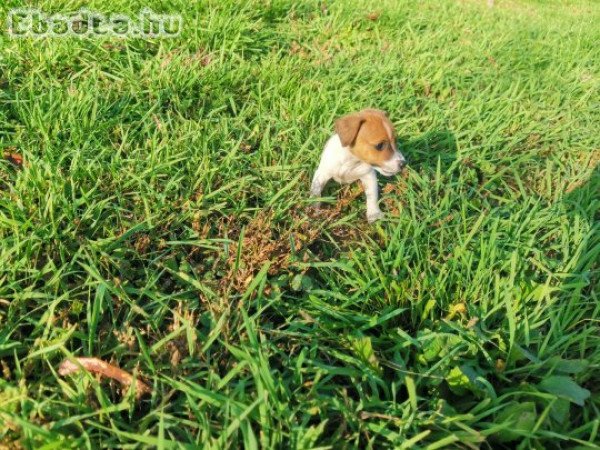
[363,143]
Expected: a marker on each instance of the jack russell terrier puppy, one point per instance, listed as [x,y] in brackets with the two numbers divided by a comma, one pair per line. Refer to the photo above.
[364,142]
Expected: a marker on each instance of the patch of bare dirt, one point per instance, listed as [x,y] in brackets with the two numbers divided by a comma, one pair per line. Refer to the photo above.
[261,242]
[588,162]
[264,239]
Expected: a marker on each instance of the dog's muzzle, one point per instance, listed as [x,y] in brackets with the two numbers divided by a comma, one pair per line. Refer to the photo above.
[393,165]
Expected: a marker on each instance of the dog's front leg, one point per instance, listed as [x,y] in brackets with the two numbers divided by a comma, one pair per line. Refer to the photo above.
[369,182]
[318,183]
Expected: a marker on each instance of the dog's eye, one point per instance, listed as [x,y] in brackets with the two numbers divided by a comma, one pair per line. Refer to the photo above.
[380,146]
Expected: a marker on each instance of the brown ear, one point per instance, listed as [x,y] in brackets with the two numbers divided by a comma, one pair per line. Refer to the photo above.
[347,128]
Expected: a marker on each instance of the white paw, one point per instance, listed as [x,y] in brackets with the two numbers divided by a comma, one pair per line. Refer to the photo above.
[374,215]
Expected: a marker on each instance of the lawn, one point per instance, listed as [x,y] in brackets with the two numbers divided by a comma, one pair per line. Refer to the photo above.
[154,213]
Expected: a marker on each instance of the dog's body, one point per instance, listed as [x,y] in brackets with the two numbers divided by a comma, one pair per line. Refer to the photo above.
[364,143]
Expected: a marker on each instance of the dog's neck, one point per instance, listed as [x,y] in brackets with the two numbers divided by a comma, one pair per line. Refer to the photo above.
[349,167]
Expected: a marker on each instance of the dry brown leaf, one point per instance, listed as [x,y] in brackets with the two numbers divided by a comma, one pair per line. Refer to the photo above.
[142,243]
[95,365]
[500,365]
[426,89]
[472,322]
[5,370]
[444,221]
[13,157]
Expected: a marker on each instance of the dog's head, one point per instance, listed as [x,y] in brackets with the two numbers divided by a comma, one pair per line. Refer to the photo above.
[370,136]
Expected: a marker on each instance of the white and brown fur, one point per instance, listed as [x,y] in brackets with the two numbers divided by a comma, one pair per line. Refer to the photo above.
[363,143]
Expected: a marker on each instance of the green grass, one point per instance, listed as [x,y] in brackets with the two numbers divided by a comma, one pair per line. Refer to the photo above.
[161,222]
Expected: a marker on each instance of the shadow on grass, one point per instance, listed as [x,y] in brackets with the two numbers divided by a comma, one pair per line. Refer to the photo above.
[582,203]
[427,148]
